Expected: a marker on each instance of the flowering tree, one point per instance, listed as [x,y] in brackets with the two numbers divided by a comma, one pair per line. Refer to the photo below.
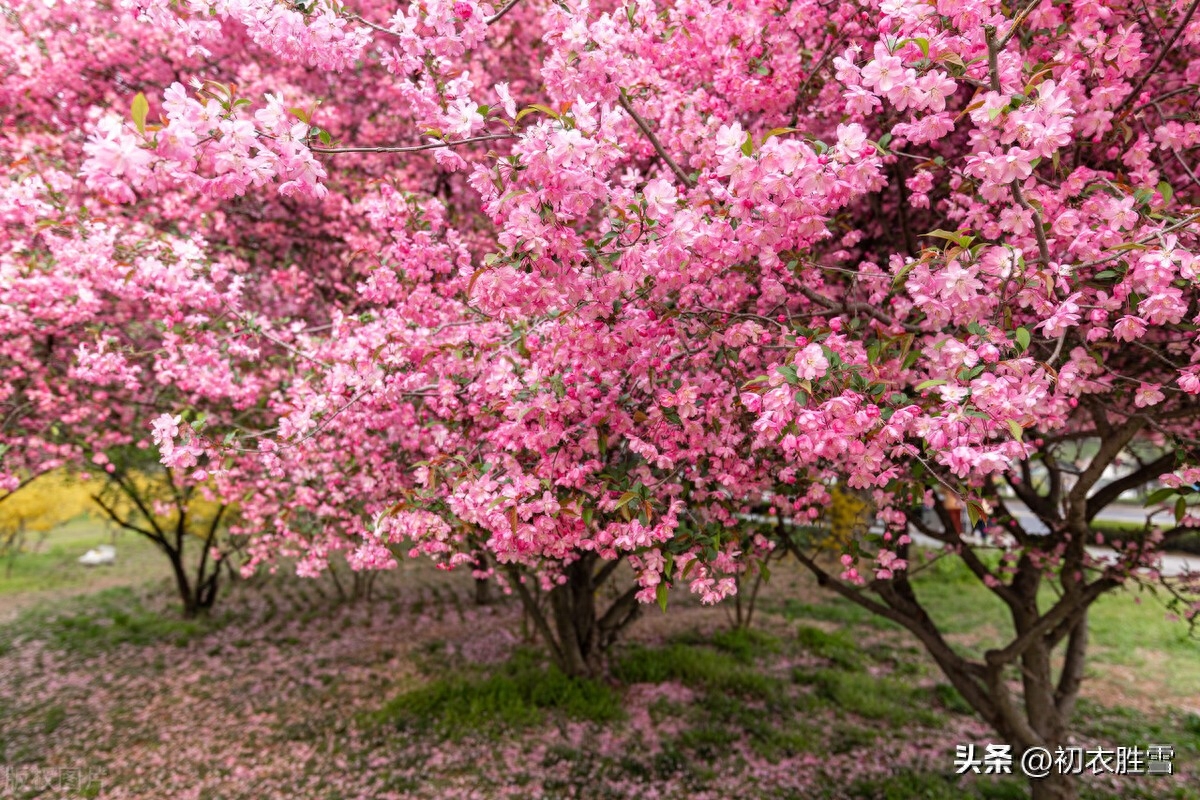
[114,315]
[569,285]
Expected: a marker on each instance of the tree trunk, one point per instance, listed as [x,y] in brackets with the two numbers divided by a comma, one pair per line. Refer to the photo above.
[574,609]
[483,586]
[573,630]
[206,591]
[483,592]
[1054,787]
[182,584]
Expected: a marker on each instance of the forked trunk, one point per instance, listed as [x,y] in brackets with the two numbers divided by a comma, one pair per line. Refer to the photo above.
[576,633]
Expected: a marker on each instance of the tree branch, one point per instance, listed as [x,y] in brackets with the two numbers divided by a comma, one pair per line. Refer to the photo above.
[1102,498]
[623,100]
[412,148]
[1137,90]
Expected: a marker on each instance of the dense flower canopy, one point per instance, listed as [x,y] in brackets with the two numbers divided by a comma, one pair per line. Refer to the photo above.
[553,278]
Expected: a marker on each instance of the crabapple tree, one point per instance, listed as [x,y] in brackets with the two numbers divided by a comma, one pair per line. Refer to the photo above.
[549,287]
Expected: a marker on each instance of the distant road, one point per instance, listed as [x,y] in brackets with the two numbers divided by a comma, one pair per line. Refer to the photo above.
[1172,564]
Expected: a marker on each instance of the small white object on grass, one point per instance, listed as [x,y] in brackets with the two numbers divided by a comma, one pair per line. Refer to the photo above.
[104,554]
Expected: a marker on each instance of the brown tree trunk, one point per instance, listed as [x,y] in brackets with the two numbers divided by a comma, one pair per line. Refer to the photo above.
[1054,787]
[483,586]
[576,634]
[182,584]
[574,609]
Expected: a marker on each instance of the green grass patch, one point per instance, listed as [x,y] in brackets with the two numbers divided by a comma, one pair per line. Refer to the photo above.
[951,699]
[696,666]
[781,727]
[910,784]
[878,698]
[837,647]
[53,719]
[835,609]
[744,644]
[51,563]
[1126,628]
[104,620]
[519,694]
[1126,726]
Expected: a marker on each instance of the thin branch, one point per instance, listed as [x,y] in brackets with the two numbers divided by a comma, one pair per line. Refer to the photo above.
[658,148]
[994,47]
[369,24]
[1016,23]
[112,514]
[864,308]
[496,17]
[1062,611]
[1137,90]
[1111,491]
[413,148]
[803,89]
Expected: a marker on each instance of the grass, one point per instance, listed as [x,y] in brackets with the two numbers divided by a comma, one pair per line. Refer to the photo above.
[919,785]
[696,666]
[912,784]
[51,564]
[862,687]
[834,610]
[837,647]
[105,620]
[1182,730]
[521,693]
[1127,628]
[888,700]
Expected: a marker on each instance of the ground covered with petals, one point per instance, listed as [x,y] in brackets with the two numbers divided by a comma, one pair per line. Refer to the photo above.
[417,693]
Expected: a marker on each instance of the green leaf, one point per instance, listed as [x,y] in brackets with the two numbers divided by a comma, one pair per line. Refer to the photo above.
[660,594]
[903,273]
[1180,509]
[140,109]
[1017,431]
[626,499]
[1166,191]
[1160,496]
[958,237]
[1023,337]
[748,145]
[929,384]
[535,107]
[974,512]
